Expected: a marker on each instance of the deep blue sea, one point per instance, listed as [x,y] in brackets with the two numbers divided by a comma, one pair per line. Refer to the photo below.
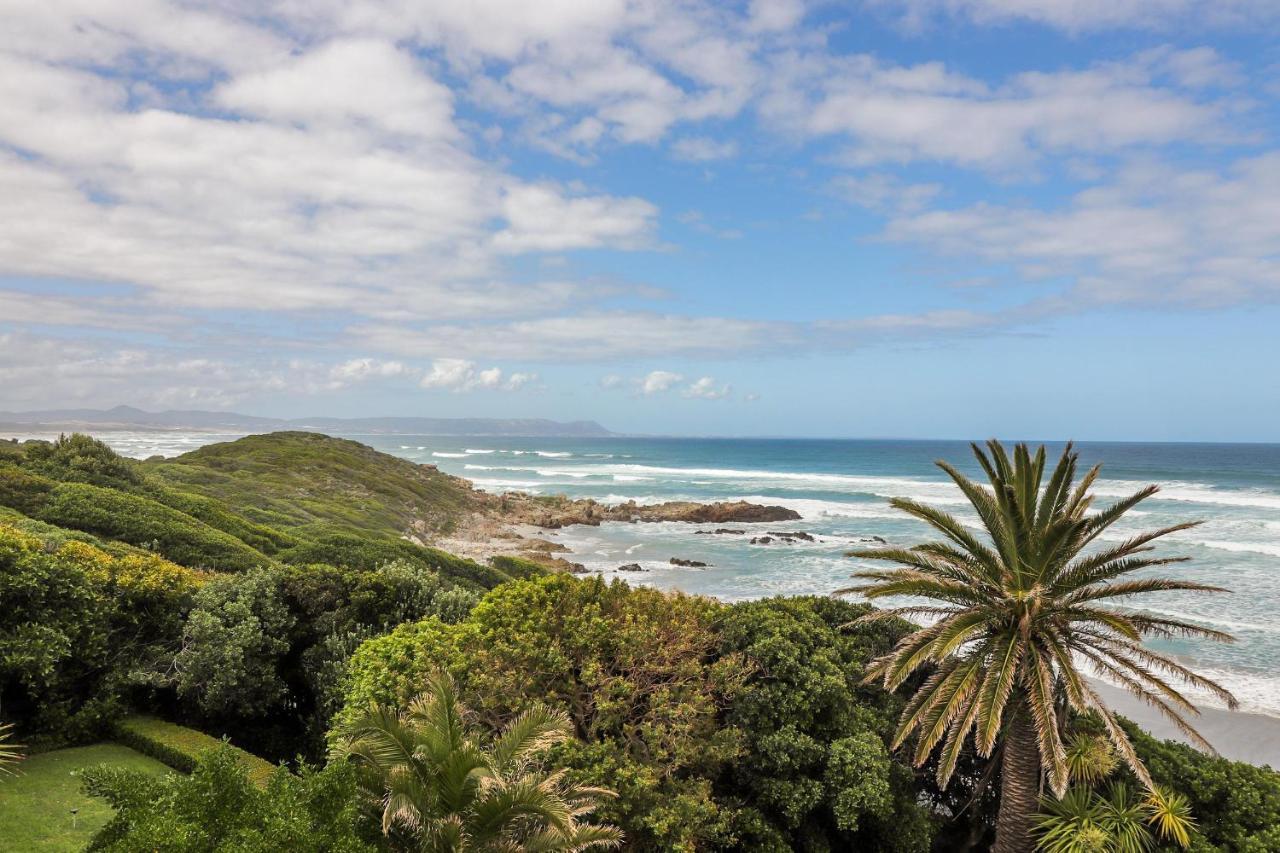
[841,487]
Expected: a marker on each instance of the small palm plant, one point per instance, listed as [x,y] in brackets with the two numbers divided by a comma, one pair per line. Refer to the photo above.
[439,789]
[10,753]
[1113,820]
[1016,613]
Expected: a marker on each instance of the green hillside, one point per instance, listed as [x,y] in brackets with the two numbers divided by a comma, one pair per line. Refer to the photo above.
[288,497]
[303,479]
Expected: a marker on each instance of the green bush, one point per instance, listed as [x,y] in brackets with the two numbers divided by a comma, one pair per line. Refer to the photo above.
[76,623]
[219,807]
[78,458]
[518,567]
[23,491]
[215,514]
[146,523]
[348,550]
[181,747]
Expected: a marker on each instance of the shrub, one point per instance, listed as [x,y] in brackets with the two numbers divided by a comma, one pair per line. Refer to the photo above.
[181,748]
[816,773]
[23,491]
[219,807]
[76,624]
[232,645]
[348,550]
[78,458]
[517,567]
[636,670]
[146,523]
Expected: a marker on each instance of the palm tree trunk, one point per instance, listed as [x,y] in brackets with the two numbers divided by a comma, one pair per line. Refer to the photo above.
[1019,784]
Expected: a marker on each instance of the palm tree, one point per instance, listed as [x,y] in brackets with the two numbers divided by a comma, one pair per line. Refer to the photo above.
[441,791]
[10,753]
[1016,613]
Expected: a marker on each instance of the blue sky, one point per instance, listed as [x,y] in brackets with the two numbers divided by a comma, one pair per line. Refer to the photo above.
[912,218]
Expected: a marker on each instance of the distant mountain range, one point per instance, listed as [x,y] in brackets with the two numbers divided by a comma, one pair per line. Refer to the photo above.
[127,417]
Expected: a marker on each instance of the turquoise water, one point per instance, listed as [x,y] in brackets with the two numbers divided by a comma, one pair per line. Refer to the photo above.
[841,490]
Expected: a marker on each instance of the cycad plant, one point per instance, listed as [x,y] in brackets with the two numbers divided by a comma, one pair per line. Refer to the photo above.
[440,789]
[1016,611]
[10,753]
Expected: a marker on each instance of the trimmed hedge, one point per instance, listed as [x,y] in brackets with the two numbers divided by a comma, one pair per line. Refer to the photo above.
[179,746]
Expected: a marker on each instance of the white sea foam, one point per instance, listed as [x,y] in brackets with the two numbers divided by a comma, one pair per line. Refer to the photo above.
[1269,548]
[630,478]
[812,510]
[1188,492]
[443,455]
[479,450]
[551,454]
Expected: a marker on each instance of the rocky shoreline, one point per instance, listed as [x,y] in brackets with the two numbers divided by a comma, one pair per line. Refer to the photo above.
[515,524]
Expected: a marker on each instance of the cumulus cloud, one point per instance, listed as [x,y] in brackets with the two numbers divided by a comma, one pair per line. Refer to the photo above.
[659,382]
[706,388]
[344,173]
[458,375]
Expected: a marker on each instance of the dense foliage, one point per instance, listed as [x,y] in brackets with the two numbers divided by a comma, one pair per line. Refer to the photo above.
[219,808]
[717,726]
[304,602]
[76,625]
[435,783]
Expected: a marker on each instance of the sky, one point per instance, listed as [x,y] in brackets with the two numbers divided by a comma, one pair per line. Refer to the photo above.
[906,218]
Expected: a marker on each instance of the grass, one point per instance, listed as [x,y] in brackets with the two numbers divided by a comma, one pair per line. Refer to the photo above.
[35,806]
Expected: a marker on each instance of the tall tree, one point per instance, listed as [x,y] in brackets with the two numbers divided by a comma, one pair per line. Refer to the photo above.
[1014,615]
[440,790]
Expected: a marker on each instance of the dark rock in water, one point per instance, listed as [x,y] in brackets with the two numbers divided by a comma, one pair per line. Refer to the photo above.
[879,540]
[761,540]
[797,534]
[719,530]
[577,568]
[632,567]
[692,564]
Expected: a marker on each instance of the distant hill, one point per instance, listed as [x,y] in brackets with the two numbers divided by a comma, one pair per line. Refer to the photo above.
[127,417]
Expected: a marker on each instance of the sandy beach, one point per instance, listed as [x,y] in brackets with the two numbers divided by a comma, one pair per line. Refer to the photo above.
[1254,738]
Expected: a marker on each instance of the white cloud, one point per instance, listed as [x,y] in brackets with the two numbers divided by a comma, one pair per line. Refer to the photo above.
[707,388]
[659,382]
[363,81]
[701,149]
[1157,235]
[589,336]
[901,114]
[542,219]
[1078,15]
[611,381]
[516,381]
[359,369]
[458,375]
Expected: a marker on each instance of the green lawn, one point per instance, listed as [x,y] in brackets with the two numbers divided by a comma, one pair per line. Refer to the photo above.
[35,806]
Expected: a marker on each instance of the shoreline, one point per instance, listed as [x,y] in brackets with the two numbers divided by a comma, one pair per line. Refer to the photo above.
[1239,735]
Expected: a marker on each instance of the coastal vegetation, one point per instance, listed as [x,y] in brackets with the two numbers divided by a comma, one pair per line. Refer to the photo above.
[382,694]
[1013,618]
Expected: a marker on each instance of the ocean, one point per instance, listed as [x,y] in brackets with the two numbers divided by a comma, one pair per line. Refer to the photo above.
[841,489]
